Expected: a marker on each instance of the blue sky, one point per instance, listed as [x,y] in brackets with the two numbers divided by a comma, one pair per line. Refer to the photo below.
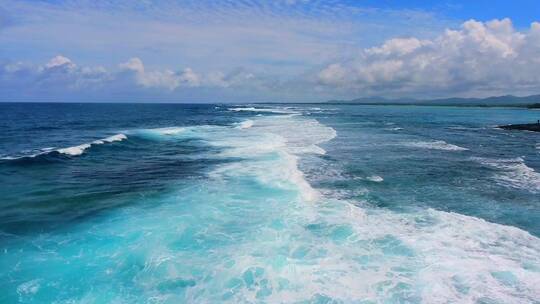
[522,12]
[281,50]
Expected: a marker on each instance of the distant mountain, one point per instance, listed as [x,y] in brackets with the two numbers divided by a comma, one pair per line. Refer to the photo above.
[507,100]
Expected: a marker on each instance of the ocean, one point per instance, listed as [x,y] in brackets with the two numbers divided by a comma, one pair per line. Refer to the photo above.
[298,203]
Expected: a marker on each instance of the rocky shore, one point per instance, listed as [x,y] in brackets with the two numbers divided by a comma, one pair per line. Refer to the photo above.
[526,127]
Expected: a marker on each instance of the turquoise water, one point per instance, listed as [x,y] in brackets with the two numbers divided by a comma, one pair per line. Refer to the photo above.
[267,204]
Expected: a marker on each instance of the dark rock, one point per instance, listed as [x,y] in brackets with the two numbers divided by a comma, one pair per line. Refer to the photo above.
[527,127]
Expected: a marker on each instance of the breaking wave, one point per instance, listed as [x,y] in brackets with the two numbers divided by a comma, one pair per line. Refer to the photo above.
[71,151]
[435,145]
[264,110]
[375,178]
[256,230]
[513,172]
[246,124]
[78,150]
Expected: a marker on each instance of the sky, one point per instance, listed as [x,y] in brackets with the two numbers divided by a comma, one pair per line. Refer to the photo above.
[266,51]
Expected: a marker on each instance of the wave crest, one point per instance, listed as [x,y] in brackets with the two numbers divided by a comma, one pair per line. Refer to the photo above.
[513,172]
[264,110]
[435,145]
[71,151]
[246,124]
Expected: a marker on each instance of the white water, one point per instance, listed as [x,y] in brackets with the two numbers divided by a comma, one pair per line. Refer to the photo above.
[71,151]
[436,145]
[78,150]
[513,173]
[246,124]
[375,178]
[255,230]
[264,110]
[335,249]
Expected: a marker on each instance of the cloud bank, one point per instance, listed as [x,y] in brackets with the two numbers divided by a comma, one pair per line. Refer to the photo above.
[475,59]
[61,79]
[478,59]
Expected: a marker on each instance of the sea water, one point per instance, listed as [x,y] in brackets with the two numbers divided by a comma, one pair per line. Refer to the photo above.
[156,203]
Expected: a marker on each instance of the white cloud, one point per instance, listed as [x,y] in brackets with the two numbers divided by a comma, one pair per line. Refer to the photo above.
[401,46]
[478,59]
[334,74]
[235,78]
[161,79]
[133,64]
[189,78]
[262,36]
[60,76]
[59,61]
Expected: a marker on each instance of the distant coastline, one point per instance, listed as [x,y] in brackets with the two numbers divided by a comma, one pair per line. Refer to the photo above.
[531,102]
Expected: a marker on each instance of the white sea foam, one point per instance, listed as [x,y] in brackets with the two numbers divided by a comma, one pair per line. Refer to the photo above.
[236,238]
[10,157]
[312,149]
[252,109]
[450,257]
[267,110]
[428,256]
[28,288]
[302,135]
[435,145]
[28,154]
[513,172]
[246,124]
[75,150]
[117,137]
[78,150]
[72,151]
[375,178]
[281,172]
[288,137]
[170,131]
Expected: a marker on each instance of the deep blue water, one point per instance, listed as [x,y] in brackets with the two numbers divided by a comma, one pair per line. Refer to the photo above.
[157,203]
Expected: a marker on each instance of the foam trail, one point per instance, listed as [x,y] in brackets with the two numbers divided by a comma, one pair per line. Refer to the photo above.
[375,178]
[80,149]
[267,110]
[110,139]
[170,131]
[71,151]
[513,173]
[75,150]
[256,231]
[246,124]
[9,157]
[302,135]
[435,145]
[288,137]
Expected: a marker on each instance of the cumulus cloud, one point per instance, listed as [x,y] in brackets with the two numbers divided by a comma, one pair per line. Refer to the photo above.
[239,77]
[59,74]
[480,58]
[477,59]
[61,77]
[161,79]
[59,61]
